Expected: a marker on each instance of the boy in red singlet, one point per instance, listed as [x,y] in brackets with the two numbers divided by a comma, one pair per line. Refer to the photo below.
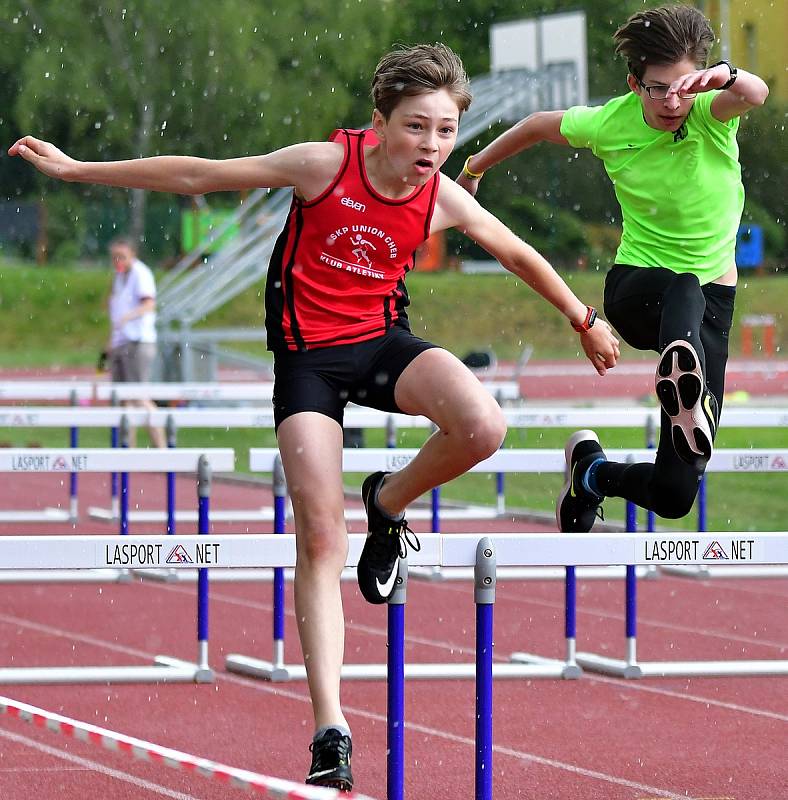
[337,325]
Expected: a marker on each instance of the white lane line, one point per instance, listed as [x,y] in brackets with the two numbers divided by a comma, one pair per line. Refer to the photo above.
[671,626]
[634,686]
[37,770]
[95,766]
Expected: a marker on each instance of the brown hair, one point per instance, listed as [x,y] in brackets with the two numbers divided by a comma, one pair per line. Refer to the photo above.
[409,71]
[124,241]
[664,35]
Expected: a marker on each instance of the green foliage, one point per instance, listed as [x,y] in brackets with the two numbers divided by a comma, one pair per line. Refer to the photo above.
[112,81]
[765,172]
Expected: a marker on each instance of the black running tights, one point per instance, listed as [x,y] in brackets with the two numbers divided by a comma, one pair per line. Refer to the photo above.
[650,307]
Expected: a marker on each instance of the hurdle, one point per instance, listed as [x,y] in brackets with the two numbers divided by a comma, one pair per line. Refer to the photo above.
[120,553]
[523,664]
[92,460]
[450,550]
[631,667]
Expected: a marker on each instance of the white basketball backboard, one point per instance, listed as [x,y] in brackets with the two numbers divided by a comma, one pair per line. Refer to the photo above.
[543,42]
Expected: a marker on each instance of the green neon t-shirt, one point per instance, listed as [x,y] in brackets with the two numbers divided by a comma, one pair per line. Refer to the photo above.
[681,194]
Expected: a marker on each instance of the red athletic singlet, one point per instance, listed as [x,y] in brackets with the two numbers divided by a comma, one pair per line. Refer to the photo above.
[337,273]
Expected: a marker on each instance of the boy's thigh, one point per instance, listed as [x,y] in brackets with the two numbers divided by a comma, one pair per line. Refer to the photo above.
[439,386]
[381,364]
[633,303]
[310,444]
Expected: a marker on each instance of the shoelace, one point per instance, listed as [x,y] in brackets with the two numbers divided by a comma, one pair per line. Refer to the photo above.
[338,746]
[407,538]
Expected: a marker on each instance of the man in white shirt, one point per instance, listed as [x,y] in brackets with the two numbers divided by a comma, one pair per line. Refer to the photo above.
[132,312]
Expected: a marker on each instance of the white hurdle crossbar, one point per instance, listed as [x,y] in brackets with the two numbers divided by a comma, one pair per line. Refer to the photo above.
[123,550]
[258,550]
[741,460]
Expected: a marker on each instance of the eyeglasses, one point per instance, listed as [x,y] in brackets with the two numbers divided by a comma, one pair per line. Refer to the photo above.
[659,91]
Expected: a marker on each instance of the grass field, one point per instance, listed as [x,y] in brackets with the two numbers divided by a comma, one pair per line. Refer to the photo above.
[55,316]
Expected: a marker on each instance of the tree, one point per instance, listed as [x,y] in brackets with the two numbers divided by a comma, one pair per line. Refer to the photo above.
[142,77]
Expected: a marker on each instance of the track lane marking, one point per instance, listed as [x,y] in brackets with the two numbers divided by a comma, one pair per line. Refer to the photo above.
[95,766]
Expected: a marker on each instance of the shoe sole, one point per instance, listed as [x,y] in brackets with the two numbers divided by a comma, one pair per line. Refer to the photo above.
[339,785]
[573,441]
[681,390]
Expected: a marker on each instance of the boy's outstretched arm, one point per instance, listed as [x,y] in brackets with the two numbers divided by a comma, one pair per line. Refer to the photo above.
[456,208]
[301,165]
[542,126]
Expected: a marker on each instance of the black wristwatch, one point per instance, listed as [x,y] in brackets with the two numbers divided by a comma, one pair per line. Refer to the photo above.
[734,73]
[588,322]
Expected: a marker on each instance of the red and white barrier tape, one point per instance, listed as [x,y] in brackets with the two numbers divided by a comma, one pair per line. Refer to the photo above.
[271,788]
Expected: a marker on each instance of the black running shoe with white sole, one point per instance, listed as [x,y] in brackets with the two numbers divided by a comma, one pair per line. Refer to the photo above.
[331,761]
[692,408]
[387,542]
[578,506]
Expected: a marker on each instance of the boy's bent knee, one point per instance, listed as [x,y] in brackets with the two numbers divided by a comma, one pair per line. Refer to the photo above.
[322,547]
[675,503]
[483,435]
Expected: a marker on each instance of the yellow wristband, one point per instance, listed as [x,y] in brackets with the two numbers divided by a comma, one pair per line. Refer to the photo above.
[467,173]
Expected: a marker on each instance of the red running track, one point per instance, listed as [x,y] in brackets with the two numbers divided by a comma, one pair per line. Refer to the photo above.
[597,738]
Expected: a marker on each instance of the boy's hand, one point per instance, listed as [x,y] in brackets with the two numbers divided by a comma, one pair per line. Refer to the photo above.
[44,156]
[601,346]
[701,80]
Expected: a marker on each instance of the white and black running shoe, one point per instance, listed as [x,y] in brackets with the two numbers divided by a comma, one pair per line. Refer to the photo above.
[577,507]
[692,408]
[331,761]
[386,543]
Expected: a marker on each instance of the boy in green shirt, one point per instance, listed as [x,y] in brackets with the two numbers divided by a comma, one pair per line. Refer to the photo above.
[669,146]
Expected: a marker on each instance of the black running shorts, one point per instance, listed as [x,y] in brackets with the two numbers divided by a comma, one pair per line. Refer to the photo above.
[326,379]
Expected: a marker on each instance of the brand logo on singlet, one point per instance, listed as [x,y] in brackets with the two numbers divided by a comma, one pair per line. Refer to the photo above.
[356,206]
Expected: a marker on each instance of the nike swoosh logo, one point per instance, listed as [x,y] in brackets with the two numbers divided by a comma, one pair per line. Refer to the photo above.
[572,480]
[386,588]
[709,412]
[320,774]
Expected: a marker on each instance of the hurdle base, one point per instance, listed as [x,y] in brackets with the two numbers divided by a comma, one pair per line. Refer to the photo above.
[65,576]
[530,573]
[165,670]
[280,673]
[564,669]
[238,515]
[263,514]
[680,669]
[223,575]
[44,515]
